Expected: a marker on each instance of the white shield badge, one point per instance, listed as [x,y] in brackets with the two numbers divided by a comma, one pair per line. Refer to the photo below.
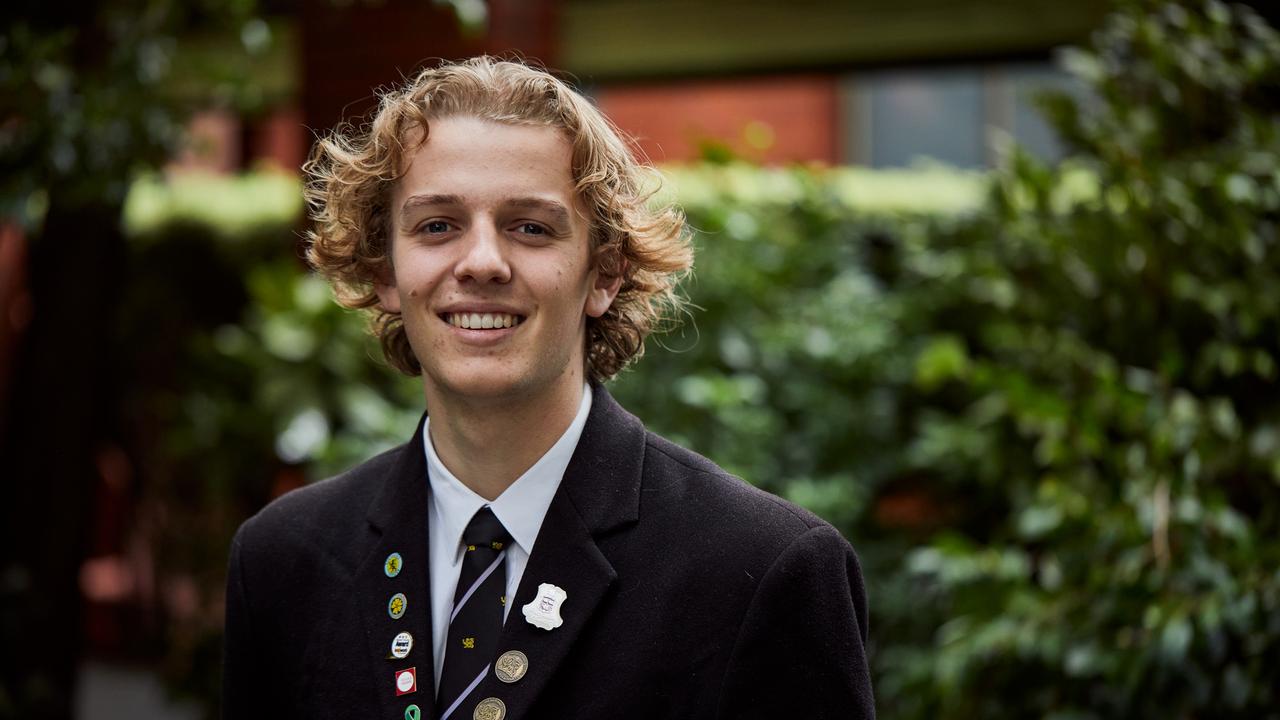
[544,610]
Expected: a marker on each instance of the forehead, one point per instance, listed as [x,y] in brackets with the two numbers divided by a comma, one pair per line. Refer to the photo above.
[481,159]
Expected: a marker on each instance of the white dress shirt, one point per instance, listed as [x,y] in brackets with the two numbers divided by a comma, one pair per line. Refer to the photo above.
[520,509]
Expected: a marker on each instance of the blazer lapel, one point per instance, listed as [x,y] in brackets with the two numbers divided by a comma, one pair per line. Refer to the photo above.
[599,493]
[399,516]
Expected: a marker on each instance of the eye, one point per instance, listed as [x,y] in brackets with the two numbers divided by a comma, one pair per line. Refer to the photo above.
[530,228]
[434,227]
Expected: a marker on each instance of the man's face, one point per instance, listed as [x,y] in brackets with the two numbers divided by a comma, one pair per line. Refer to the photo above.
[492,266]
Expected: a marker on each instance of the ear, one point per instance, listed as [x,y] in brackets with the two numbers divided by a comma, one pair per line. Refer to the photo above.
[385,287]
[602,293]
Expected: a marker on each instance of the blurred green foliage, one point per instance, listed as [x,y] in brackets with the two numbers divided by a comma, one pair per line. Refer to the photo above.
[1099,385]
[92,93]
[1042,403]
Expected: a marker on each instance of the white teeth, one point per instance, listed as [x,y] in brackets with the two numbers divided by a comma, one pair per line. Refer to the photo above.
[477,321]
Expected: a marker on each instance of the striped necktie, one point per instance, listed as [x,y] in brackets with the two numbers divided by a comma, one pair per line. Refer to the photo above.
[476,619]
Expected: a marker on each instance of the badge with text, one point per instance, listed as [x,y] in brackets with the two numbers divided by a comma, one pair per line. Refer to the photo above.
[401,645]
[544,611]
[406,681]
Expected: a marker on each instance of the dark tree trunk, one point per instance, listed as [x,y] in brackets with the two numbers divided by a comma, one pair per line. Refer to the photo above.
[61,406]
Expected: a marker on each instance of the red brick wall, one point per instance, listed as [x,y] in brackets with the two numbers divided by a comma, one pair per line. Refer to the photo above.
[347,51]
[772,119]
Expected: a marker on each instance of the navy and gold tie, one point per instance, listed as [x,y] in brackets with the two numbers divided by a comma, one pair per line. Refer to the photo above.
[476,619]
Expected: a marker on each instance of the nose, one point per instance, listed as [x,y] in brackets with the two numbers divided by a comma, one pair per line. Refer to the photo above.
[484,257]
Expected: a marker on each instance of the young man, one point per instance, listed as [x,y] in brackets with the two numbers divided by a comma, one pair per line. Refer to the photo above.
[532,552]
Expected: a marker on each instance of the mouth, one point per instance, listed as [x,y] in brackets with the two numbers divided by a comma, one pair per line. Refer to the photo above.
[481,321]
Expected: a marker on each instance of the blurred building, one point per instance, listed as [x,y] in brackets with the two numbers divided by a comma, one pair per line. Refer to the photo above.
[872,83]
[865,82]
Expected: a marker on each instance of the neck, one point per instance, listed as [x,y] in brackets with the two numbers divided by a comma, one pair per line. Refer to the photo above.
[489,443]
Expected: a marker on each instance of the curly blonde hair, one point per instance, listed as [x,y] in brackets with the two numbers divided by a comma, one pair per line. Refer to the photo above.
[352,172]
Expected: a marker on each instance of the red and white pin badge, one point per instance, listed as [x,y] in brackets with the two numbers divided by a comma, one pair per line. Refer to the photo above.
[406,681]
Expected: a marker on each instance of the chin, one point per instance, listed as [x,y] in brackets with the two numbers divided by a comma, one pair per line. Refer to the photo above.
[480,383]
[483,381]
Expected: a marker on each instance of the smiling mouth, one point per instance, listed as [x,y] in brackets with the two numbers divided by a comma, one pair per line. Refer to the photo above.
[482,321]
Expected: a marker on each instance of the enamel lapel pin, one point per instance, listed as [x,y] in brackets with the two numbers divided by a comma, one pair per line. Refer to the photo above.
[544,610]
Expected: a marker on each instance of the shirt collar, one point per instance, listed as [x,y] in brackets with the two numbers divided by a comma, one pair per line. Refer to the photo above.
[523,505]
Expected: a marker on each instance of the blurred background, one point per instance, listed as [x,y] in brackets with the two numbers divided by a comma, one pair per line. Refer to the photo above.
[993,286]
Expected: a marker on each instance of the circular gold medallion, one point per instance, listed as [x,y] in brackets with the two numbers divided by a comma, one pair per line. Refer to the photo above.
[511,666]
[490,709]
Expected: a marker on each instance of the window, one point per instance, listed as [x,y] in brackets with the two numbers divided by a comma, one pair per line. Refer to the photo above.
[895,118]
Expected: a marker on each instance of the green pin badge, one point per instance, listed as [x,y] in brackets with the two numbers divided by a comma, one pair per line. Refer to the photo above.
[412,712]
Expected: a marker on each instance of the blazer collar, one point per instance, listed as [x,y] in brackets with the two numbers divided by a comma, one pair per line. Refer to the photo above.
[602,481]
[603,478]
[600,493]
[396,503]
[398,518]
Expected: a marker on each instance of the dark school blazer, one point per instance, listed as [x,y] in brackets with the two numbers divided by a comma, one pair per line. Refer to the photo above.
[690,594]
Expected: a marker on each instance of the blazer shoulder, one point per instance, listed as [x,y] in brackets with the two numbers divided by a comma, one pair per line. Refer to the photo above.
[724,498]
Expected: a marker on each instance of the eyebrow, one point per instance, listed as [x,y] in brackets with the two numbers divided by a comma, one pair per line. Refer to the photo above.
[558,212]
[414,202]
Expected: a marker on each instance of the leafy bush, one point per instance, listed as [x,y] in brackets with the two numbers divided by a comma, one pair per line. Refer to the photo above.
[1051,425]
[1100,375]
[1069,394]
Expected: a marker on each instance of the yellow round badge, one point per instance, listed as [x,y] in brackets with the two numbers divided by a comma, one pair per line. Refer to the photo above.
[397,605]
[393,564]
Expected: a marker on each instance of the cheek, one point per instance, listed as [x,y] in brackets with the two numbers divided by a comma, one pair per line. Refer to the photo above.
[417,279]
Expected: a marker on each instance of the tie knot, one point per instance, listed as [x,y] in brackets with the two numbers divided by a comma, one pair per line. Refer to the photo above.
[485,530]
